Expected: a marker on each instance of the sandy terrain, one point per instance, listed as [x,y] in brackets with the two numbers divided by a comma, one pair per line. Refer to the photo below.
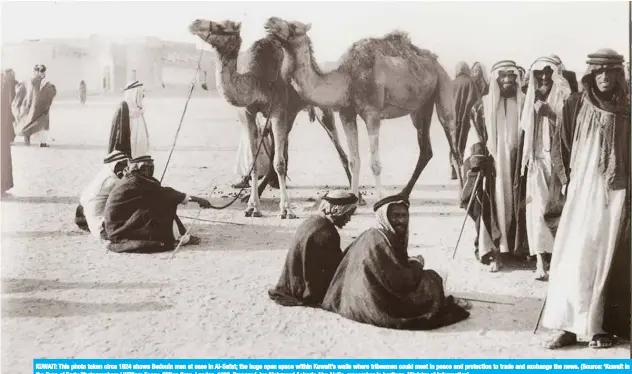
[64,296]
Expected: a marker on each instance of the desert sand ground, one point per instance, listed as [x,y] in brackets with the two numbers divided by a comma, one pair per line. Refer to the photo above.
[64,296]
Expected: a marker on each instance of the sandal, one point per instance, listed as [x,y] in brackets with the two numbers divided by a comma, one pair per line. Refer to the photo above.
[601,341]
[560,340]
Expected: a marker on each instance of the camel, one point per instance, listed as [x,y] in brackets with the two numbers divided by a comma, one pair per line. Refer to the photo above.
[378,78]
[265,88]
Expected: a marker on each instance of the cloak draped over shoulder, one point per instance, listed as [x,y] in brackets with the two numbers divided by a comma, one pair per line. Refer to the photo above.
[120,133]
[35,111]
[140,209]
[310,264]
[379,285]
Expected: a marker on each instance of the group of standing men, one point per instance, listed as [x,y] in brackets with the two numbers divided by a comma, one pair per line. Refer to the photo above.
[547,171]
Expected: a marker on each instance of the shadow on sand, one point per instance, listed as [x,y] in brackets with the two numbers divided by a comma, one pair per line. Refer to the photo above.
[41,199]
[40,234]
[21,285]
[51,308]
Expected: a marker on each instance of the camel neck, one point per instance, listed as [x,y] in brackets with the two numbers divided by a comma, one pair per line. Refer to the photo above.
[328,90]
[234,87]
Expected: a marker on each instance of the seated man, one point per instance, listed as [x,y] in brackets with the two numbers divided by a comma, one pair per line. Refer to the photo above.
[315,253]
[379,284]
[89,214]
[140,214]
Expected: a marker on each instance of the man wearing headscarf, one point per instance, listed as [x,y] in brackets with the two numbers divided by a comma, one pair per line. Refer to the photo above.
[140,214]
[491,150]
[8,133]
[90,212]
[570,76]
[589,286]
[466,94]
[481,78]
[82,92]
[35,112]
[315,253]
[543,106]
[379,284]
[129,133]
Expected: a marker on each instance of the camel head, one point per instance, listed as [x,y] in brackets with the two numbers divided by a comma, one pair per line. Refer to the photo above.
[224,36]
[288,32]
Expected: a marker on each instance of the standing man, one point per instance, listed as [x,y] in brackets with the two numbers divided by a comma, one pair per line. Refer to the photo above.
[543,106]
[491,150]
[129,133]
[315,253]
[466,94]
[8,133]
[82,92]
[589,286]
[36,108]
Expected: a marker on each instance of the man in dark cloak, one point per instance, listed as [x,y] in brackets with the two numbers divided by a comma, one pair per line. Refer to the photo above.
[8,133]
[36,108]
[589,211]
[140,214]
[466,94]
[379,284]
[315,253]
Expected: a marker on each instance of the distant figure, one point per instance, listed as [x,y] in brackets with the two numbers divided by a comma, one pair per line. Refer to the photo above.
[35,110]
[8,133]
[82,92]
[129,130]
[481,77]
[315,253]
[570,76]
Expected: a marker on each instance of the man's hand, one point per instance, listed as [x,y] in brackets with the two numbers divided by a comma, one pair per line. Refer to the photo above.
[541,108]
[203,203]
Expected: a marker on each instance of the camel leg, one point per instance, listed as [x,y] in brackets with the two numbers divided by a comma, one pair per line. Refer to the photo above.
[329,124]
[421,119]
[280,133]
[372,120]
[350,126]
[252,209]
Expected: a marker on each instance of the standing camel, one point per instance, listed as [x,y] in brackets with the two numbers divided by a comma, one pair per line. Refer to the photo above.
[379,78]
[263,88]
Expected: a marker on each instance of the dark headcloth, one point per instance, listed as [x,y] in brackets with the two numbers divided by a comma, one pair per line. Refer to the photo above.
[141,159]
[605,56]
[403,199]
[340,198]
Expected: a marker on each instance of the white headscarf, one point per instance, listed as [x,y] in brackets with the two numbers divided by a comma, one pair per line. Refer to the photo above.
[559,92]
[105,175]
[557,62]
[492,108]
[133,96]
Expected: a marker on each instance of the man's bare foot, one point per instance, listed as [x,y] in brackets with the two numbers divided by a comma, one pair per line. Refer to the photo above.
[243,183]
[601,341]
[560,339]
[496,263]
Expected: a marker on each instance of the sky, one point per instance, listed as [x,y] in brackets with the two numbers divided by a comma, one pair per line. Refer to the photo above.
[455,31]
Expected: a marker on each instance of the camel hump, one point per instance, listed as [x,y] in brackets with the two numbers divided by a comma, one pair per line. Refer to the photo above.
[403,38]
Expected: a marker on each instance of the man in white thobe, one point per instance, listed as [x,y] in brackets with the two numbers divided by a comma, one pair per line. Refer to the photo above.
[589,286]
[543,105]
[491,149]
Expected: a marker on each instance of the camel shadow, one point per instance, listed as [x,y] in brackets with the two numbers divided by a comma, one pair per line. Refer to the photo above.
[386,188]
[54,308]
[23,285]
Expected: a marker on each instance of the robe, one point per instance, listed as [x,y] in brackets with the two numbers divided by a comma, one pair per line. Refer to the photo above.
[466,94]
[243,163]
[310,264]
[93,199]
[8,133]
[35,109]
[82,93]
[139,215]
[589,284]
[377,283]
[128,133]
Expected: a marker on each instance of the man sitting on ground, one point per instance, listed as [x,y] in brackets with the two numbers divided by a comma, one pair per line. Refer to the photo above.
[379,284]
[140,214]
[89,214]
[315,253]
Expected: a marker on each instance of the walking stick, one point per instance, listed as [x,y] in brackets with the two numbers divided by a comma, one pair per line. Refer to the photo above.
[537,323]
[467,211]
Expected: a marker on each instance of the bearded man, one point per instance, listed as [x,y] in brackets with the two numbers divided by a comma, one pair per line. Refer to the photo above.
[140,214]
[589,286]
[466,94]
[491,152]
[543,106]
[315,253]
[379,284]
